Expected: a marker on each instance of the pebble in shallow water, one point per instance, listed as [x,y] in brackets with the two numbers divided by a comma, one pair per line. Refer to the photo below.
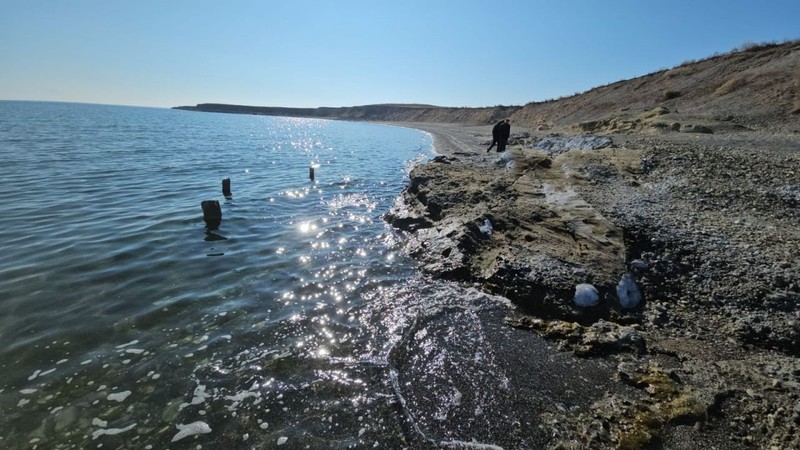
[191,429]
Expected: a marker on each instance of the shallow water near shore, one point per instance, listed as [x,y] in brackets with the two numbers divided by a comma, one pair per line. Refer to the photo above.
[126,323]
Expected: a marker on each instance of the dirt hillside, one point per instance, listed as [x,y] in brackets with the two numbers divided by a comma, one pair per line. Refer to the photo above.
[756,88]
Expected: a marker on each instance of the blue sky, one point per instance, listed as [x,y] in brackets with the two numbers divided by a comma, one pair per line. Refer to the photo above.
[302,53]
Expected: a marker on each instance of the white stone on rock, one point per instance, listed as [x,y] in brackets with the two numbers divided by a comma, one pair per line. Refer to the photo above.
[586,295]
[628,293]
[486,228]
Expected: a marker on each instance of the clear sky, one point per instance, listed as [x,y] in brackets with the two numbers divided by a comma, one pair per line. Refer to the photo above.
[303,53]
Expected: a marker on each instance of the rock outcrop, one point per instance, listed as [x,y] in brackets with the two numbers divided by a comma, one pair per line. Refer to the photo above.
[517,224]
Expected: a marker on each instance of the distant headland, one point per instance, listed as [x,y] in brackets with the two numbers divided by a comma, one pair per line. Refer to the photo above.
[382,112]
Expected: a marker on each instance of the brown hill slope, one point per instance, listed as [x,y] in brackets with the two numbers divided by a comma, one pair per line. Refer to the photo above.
[755,88]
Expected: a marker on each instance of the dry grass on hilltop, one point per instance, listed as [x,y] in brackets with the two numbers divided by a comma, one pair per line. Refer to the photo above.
[755,87]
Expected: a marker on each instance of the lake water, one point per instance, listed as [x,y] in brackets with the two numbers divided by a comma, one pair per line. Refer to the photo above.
[299,323]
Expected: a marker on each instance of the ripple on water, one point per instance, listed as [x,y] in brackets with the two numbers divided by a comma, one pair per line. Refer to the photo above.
[112,301]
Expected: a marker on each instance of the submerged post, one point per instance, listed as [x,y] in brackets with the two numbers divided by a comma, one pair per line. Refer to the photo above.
[226,188]
[311,173]
[212,213]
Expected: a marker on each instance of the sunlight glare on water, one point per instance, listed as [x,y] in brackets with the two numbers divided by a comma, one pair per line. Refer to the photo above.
[107,227]
[125,322]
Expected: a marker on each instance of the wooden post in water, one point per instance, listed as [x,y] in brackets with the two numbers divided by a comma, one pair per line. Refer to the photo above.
[311,173]
[226,188]
[212,213]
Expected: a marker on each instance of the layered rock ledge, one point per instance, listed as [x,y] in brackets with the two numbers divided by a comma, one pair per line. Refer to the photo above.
[516,223]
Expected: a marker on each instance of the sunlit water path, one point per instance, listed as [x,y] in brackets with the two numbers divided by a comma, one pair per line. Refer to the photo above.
[125,323]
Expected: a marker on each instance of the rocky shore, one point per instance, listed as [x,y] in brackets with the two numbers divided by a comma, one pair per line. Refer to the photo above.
[672,254]
[652,223]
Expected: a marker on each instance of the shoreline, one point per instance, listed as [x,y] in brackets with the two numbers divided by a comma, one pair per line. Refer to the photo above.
[449,139]
[703,225]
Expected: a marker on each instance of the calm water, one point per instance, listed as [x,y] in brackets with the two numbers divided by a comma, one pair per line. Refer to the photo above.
[125,323]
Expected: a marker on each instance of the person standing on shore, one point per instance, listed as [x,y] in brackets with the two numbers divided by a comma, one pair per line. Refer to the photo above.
[503,133]
[495,134]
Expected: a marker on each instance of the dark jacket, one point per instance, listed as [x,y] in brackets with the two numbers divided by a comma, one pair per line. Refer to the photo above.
[503,132]
[496,130]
